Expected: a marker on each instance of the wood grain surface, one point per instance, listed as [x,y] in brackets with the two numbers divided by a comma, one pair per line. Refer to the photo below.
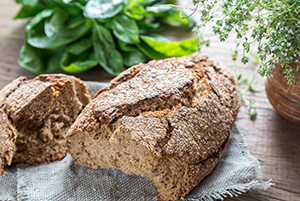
[271,139]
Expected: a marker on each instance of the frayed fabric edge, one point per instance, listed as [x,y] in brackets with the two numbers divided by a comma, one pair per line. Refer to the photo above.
[23,183]
[235,191]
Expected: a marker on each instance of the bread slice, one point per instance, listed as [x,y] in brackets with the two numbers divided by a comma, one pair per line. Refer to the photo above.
[7,141]
[168,120]
[37,115]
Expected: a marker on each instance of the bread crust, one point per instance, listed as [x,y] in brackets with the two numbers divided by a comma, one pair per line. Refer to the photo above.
[177,109]
[37,114]
[7,141]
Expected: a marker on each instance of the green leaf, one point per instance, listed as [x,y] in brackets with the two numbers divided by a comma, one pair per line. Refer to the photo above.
[115,61]
[104,36]
[125,29]
[61,34]
[126,47]
[39,61]
[149,51]
[149,27]
[55,23]
[105,53]
[157,37]
[157,11]
[172,49]
[70,7]
[37,38]
[28,11]
[135,10]
[52,59]
[77,64]
[80,46]
[174,18]
[195,2]
[38,19]
[28,2]
[135,57]
[245,59]
[49,3]
[30,59]
[75,21]
[103,8]
[239,77]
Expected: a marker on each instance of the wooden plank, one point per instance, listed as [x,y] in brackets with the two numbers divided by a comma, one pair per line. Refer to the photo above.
[273,140]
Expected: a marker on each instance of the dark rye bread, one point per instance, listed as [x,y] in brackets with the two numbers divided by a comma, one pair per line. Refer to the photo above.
[35,116]
[7,141]
[167,120]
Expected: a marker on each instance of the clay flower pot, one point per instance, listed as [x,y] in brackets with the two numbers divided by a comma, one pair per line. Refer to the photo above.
[284,97]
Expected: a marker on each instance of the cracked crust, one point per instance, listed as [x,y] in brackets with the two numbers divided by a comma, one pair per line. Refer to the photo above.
[175,115]
[40,112]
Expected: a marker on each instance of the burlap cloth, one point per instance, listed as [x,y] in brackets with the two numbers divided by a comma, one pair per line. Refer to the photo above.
[236,172]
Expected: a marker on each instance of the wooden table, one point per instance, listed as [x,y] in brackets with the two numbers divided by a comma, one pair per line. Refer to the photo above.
[274,141]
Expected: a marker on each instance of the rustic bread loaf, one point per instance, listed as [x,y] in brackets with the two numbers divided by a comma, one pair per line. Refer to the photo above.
[35,116]
[167,120]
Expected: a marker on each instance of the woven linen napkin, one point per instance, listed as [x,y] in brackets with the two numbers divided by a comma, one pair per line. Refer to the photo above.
[236,172]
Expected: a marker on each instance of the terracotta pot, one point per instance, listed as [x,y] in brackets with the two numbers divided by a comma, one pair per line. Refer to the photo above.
[284,97]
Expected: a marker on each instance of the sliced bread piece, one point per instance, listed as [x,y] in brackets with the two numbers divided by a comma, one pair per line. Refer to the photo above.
[41,112]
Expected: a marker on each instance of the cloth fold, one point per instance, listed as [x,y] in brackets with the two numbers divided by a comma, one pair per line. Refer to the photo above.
[237,172]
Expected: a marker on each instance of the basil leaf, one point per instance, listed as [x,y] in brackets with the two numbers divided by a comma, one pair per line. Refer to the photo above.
[49,3]
[157,10]
[77,64]
[135,57]
[115,61]
[175,18]
[146,27]
[135,10]
[52,59]
[39,61]
[75,21]
[38,19]
[55,23]
[28,2]
[157,37]
[80,46]
[70,7]
[28,11]
[149,51]
[106,54]
[30,59]
[37,38]
[103,8]
[126,47]
[62,33]
[172,49]
[125,29]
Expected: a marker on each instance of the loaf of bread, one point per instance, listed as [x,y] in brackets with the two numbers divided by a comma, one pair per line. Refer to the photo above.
[35,116]
[167,120]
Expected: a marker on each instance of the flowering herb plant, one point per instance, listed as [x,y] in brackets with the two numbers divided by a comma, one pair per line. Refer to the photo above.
[273,24]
